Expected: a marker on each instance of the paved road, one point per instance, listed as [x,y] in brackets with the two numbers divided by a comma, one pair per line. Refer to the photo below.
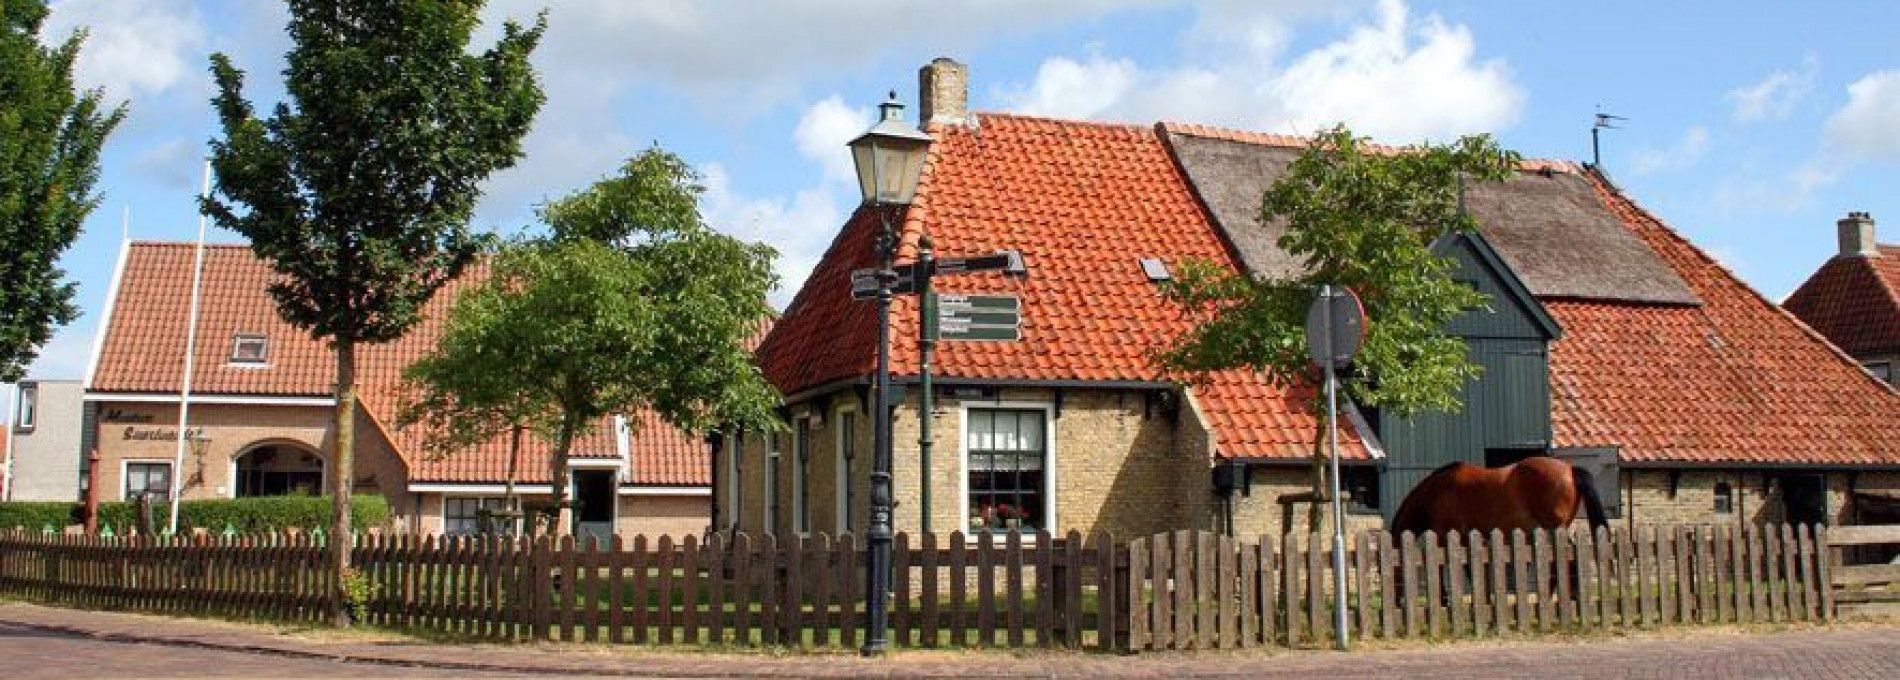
[33,653]
[45,642]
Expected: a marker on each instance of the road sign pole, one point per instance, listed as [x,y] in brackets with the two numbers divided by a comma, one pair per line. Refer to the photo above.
[926,348]
[877,555]
[1339,516]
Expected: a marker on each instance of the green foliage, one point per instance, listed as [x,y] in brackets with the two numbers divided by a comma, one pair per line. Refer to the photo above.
[359,588]
[50,137]
[359,189]
[246,515]
[33,515]
[633,302]
[1365,219]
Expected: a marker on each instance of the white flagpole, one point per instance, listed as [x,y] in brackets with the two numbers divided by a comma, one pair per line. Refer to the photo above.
[191,352]
[13,411]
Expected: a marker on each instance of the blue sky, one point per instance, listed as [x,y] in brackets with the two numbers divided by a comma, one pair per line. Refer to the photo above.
[1752,125]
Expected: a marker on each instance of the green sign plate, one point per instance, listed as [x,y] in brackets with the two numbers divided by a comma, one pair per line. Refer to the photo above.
[975,317]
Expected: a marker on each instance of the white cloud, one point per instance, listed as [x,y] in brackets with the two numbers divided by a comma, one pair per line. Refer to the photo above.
[799,226]
[132,48]
[1868,126]
[174,164]
[755,46]
[1775,96]
[1684,154]
[1392,76]
[1066,88]
[824,130]
[803,224]
[741,58]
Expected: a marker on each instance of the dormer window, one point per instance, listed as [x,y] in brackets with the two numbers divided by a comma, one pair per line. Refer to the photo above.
[249,348]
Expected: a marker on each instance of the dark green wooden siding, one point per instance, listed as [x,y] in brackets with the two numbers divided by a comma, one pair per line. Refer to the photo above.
[1506,407]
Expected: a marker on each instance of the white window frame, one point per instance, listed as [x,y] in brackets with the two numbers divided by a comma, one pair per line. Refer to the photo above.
[500,502]
[125,476]
[238,341]
[1050,465]
[843,469]
[768,502]
[26,412]
[801,477]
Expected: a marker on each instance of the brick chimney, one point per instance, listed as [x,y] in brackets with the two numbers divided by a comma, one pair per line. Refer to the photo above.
[943,92]
[1857,235]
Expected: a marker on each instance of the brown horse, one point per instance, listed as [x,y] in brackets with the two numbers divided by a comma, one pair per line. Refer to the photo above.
[1539,492]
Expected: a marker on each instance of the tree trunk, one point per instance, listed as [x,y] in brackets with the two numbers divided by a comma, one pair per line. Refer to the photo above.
[342,478]
[508,496]
[557,478]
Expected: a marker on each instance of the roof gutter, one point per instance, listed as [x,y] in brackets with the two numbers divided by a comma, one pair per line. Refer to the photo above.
[1754,465]
[908,380]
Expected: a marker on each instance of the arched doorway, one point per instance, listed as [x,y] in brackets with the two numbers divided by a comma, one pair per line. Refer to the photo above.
[279,469]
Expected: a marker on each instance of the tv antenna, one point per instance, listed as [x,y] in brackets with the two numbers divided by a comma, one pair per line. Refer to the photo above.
[1604,121]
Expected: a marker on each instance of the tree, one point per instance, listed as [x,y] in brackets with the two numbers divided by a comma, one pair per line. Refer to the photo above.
[358,188]
[50,137]
[631,302]
[1362,218]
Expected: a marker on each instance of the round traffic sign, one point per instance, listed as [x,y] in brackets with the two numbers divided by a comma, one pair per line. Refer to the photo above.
[1335,327]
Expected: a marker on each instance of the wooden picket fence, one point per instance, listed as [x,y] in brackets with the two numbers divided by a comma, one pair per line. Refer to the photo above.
[1181,591]
[1863,587]
[1194,590]
[985,590]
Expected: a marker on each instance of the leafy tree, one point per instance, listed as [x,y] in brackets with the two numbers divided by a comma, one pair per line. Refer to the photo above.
[632,302]
[1363,218]
[359,187]
[50,136]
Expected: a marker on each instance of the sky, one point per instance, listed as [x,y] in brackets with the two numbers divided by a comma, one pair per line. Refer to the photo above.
[1751,126]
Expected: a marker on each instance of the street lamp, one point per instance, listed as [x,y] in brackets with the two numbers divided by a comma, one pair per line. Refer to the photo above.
[889,159]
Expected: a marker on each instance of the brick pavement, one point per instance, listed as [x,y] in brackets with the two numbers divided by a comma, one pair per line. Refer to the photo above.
[38,641]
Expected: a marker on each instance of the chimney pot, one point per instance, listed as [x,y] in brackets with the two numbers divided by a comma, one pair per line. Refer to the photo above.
[1857,235]
[943,92]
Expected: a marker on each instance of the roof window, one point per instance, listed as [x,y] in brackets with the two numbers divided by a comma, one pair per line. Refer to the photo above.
[249,348]
[1156,270]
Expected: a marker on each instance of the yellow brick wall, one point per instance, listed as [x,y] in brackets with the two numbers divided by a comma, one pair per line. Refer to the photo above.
[654,516]
[231,430]
[1693,502]
[1134,473]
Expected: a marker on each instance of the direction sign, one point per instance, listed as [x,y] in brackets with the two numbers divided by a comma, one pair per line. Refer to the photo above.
[1342,336]
[976,317]
[864,282]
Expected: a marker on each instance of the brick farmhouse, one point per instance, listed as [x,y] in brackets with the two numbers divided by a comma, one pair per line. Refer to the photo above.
[1611,340]
[261,408]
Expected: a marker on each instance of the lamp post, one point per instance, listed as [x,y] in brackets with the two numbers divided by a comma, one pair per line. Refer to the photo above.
[889,159]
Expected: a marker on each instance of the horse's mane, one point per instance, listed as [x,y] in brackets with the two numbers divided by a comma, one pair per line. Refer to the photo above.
[1409,516]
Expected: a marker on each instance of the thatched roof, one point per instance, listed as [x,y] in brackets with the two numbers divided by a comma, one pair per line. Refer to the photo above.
[1549,226]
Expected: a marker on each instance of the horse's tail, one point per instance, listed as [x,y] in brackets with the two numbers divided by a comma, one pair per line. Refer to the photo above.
[1586,486]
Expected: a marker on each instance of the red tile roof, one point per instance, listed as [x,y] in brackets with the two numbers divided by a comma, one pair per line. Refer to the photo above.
[1731,380]
[1735,380]
[1855,302]
[1084,203]
[145,339]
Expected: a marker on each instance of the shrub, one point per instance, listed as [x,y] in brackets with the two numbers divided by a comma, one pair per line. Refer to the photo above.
[246,515]
[37,515]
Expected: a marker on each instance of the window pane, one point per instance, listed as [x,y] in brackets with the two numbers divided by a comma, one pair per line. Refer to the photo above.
[1005,468]
[1031,427]
[29,398]
[1006,432]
